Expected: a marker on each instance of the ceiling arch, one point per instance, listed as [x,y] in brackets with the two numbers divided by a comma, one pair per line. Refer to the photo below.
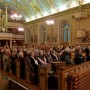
[34,9]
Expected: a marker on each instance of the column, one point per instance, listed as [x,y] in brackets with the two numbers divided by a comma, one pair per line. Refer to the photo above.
[6,17]
[6,43]
[6,13]
[10,43]
[58,36]
[0,18]
[38,37]
[51,40]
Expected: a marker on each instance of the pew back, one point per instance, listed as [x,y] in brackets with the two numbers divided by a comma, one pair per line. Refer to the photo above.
[64,73]
[43,76]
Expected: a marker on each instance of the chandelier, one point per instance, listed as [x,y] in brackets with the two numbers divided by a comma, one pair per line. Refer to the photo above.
[15,16]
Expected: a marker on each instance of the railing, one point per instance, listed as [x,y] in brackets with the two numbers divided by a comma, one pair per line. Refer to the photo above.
[13,24]
[10,35]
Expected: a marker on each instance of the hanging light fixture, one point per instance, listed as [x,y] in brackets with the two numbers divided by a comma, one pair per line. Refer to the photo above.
[16,15]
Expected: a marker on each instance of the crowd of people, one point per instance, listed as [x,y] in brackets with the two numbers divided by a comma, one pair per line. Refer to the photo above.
[40,55]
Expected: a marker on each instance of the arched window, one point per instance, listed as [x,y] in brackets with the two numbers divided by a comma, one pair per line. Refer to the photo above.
[66,32]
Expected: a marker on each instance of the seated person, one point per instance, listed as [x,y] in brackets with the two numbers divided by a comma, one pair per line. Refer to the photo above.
[33,63]
[78,57]
[66,56]
[48,56]
[42,58]
[87,50]
[54,56]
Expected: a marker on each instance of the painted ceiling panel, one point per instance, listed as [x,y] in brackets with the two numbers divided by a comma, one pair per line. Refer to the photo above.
[34,9]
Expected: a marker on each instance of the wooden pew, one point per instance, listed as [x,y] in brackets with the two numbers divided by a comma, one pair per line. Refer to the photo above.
[63,71]
[80,80]
[27,72]
[43,77]
[43,74]
[63,74]
[18,68]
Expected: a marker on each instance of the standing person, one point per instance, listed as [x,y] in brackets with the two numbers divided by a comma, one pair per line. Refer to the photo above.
[13,59]
[2,53]
[22,65]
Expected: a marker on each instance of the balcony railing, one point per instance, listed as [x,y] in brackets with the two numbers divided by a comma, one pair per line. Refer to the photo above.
[13,24]
[10,35]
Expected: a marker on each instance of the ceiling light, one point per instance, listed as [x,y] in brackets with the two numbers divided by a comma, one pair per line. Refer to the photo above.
[38,16]
[86,1]
[33,18]
[62,8]
[28,20]
[53,11]
[45,14]
[73,4]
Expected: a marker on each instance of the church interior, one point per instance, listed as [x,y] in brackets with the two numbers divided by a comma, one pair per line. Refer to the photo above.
[44,45]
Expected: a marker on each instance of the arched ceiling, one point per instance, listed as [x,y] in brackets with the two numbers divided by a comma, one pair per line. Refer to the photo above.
[33,9]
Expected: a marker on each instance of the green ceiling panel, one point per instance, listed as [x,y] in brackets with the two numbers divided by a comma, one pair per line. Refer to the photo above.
[30,8]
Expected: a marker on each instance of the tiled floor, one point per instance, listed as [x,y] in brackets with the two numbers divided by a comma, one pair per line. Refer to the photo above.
[4,76]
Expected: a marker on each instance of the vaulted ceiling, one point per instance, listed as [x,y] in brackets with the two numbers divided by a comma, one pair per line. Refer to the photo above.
[33,9]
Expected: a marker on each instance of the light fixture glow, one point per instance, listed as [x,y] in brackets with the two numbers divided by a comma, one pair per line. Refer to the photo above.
[86,1]
[62,8]
[45,14]
[73,4]
[38,16]
[28,20]
[33,18]
[20,29]
[53,11]
[49,22]
[16,16]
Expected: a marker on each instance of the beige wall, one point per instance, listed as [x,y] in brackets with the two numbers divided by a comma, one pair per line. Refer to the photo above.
[56,29]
